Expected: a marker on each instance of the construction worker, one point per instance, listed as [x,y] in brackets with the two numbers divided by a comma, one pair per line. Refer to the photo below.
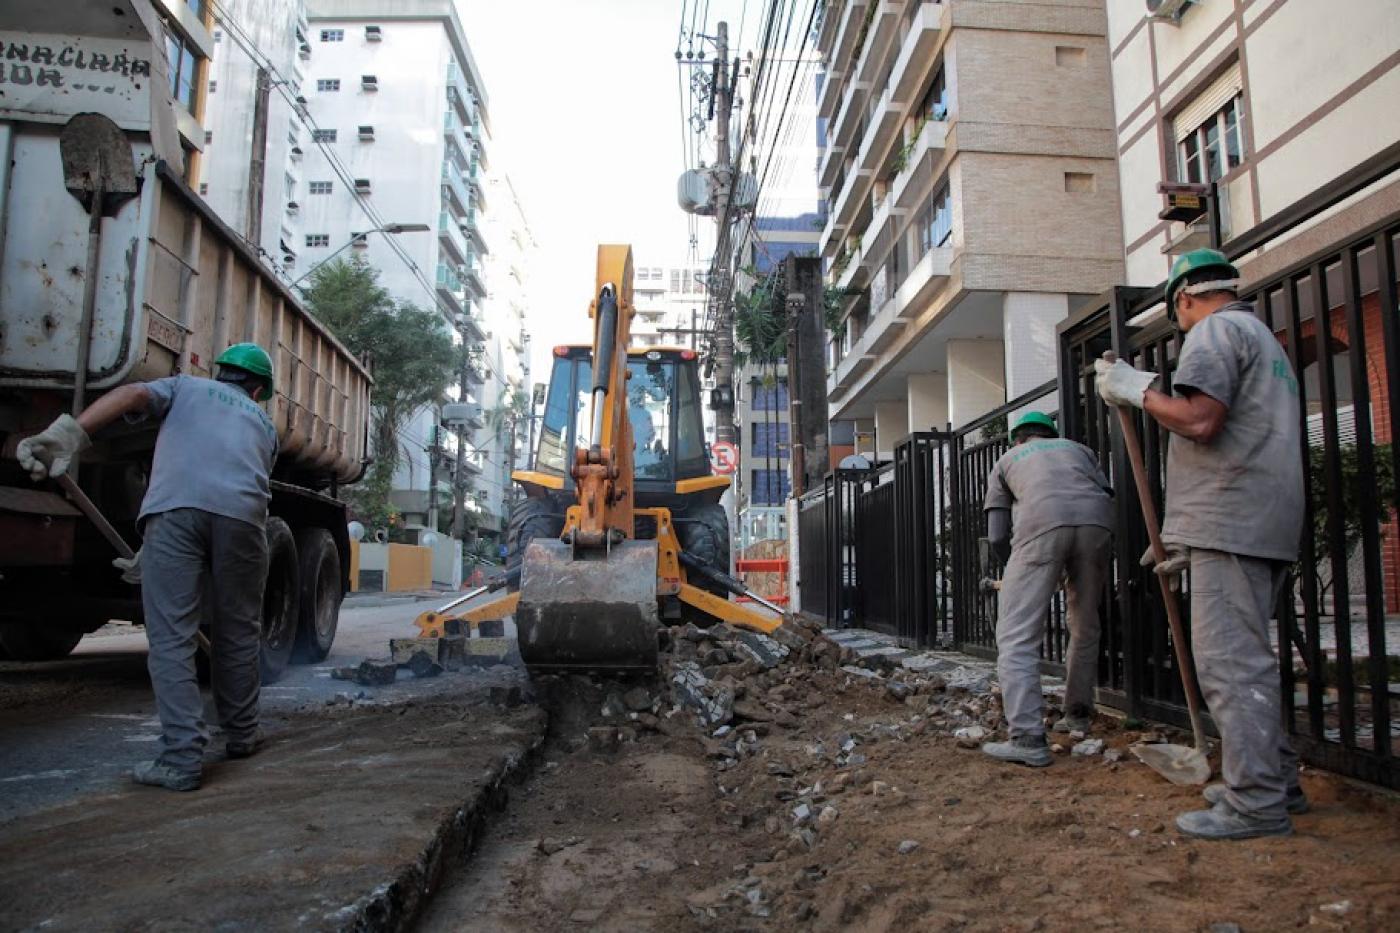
[1049,509]
[1234,513]
[202,522]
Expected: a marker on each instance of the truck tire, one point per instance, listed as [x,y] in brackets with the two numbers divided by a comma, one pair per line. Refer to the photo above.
[37,641]
[704,533]
[321,593]
[281,596]
[530,519]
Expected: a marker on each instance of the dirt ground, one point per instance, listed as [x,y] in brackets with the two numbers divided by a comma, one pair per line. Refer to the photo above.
[903,829]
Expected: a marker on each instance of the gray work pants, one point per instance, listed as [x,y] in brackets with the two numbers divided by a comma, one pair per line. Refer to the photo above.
[1079,552]
[1232,605]
[195,566]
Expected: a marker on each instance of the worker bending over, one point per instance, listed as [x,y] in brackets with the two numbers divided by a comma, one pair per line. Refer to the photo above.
[1049,505]
[1234,513]
[202,522]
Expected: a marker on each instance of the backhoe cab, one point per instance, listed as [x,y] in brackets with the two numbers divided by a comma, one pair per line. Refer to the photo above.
[621,527]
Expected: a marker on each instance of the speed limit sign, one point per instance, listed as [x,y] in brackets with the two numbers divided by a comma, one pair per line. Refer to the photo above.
[725,457]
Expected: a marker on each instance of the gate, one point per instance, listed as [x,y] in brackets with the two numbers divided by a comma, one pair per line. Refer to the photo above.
[923,542]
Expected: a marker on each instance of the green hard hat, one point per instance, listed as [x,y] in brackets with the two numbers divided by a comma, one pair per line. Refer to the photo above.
[1037,418]
[248,357]
[1194,261]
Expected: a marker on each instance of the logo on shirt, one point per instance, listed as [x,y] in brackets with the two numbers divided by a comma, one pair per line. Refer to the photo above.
[244,403]
[1282,371]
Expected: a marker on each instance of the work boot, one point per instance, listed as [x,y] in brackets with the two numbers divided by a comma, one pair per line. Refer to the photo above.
[245,748]
[1295,801]
[1223,821]
[1030,750]
[159,774]
[1078,718]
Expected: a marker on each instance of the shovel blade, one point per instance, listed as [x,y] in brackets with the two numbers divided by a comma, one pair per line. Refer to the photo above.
[1179,764]
[97,155]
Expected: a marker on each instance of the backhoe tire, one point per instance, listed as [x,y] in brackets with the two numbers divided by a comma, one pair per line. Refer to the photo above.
[281,599]
[321,593]
[530,519]
[704,534]
[37,641]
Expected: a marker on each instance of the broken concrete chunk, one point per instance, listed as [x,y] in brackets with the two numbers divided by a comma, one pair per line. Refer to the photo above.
[712,702]
[970,736]
[603,739]
[483,652]
[759,648]
[638,699]
[402,650]
[907,846]
[491,628]
[423,666]
[369,673]
[1088,747]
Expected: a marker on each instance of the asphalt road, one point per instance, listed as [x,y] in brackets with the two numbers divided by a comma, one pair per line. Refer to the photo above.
[76,727]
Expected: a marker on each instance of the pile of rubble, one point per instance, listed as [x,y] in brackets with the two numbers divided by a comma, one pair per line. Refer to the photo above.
[461,647]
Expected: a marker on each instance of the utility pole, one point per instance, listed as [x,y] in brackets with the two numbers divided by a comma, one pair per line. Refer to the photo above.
[257,158]
[722,398]
[433,453]
[459,478]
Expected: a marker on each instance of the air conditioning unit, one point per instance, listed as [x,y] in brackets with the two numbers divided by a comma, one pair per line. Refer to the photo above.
[367,134]
[362,186]
[1170,10]
[374,34]
[293,207]
[304,50]
[296,152]
[359,240]
[369,83]
[459,413]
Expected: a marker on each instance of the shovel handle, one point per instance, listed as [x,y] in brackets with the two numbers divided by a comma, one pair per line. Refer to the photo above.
[1159,551]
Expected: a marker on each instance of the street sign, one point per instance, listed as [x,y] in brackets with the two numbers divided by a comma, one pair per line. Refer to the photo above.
[725,457]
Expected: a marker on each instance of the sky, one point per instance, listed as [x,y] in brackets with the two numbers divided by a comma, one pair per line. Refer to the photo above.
[586,120]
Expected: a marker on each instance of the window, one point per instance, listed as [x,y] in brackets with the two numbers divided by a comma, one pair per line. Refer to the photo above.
[290,185]
[362,186]
[218,35]
[369,83]
[319,187]
[332,35]
[770,439]
[213,86]
[650,388]
[935,103]
[936,221]
[367,134]
[183,62]
[328,84]
[770,398]
[203,188]
[373,34]
[318,240]
[208,137]
[1212,149]
[323,136]
[769,487]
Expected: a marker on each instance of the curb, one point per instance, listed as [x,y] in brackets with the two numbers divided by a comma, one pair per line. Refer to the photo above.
[396,904]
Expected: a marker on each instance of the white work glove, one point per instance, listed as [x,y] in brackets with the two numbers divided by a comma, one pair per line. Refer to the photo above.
[130,567]
[1178,559]
[1121,384]
[49,452]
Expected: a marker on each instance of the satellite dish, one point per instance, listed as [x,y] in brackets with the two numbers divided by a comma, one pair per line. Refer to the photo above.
[854,462]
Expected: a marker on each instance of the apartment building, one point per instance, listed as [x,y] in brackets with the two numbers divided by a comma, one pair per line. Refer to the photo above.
[1272,104]
[972,196]
[255,141]
[393,91]
[189,48]
[502,381]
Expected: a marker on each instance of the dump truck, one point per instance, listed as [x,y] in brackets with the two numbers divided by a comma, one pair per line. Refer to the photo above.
[112,270]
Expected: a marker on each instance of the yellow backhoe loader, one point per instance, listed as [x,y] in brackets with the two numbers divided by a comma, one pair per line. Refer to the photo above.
[621,527]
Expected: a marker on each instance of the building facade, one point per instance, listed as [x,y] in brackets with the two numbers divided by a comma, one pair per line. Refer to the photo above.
[255,140]
[972,196]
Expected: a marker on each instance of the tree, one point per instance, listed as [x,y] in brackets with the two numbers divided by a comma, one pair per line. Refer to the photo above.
[760,326]
[1354,520]
[411,355]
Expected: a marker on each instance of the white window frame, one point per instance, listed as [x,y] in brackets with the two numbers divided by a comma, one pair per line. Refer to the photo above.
[327,85]
[1192,151]
[323,136]
[320,187]
[318,241]
[332,35]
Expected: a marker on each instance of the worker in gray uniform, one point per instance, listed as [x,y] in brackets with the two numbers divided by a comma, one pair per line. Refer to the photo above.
[1050,509]
[202,522]
[1234,514]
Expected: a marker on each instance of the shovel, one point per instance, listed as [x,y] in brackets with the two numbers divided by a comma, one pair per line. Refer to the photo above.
[1177,763]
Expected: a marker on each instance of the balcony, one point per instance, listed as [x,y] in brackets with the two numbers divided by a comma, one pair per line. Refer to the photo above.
[880,232]
[449,288]
[454,132]
[469,321]
[877,37]
[457,188]
[452,238]
[832,157]
[833,85]
[920,158]
[459,94]
[831,20]
[916,53]
[881,133]
[471,277]
[842,130]
[929,275]
[475,373]
[852,22]
[849,202]
[471,227]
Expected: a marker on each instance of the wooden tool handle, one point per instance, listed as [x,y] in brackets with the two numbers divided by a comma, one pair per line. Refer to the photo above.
[1159,552]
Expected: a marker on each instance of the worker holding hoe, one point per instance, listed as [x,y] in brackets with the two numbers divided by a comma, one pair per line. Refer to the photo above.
[1234,513]
[1049,507]
[202,522]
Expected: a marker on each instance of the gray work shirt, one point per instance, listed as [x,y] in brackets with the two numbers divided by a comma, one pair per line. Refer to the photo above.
[1243,491]
[214,451]
[1048,484]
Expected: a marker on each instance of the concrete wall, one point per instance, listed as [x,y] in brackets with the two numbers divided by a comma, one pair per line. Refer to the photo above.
[976,380]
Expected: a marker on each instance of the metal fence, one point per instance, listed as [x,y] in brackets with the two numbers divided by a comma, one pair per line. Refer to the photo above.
[923,541]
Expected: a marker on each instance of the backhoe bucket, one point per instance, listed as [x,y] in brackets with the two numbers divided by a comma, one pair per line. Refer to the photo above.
[588,610]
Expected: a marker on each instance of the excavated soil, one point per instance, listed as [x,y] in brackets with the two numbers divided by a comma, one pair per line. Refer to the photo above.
[854,807]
